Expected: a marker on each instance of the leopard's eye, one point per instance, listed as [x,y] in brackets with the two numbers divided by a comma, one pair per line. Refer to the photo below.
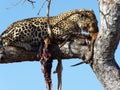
[82,15]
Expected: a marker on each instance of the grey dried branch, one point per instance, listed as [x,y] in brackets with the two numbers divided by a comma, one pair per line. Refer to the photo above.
[15,4]
[21,1]
[41,7]
[32,2]
[48,23]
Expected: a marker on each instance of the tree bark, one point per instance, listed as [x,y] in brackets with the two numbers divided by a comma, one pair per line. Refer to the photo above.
[104,64]
[75,48]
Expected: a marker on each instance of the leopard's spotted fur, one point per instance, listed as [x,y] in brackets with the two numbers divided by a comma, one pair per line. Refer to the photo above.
[30,32]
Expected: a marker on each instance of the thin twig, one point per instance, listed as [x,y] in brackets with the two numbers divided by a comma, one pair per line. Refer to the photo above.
[78,63]
[48,23]
[14,5]
[21,1]
[41,7]
[32,2]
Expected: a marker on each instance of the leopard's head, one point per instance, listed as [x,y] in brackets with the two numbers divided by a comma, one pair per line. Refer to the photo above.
[87,21]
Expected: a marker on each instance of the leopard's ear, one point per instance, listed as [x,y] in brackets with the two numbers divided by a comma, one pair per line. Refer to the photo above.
[91,10]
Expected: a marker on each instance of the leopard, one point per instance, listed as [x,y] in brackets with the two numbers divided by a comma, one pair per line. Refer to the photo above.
[31,32]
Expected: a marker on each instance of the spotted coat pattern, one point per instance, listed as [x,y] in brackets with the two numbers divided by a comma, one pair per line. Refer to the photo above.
[30,32]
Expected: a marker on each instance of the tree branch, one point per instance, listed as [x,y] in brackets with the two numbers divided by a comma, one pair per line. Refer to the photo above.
[41,7]
[48,23]
[32,2]
[76,48]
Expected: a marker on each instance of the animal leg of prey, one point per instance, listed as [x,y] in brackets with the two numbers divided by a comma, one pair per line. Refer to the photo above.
[46,62]
[58,70]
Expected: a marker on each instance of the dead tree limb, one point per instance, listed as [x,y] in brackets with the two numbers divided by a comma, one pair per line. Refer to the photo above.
[48,23]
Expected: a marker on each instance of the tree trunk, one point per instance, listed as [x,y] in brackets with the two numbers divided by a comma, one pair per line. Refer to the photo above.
[104,64]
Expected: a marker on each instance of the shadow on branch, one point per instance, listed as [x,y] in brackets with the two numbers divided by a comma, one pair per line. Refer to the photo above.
[75,48]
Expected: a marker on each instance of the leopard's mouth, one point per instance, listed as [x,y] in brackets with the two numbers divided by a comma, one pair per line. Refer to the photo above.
[85,30]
